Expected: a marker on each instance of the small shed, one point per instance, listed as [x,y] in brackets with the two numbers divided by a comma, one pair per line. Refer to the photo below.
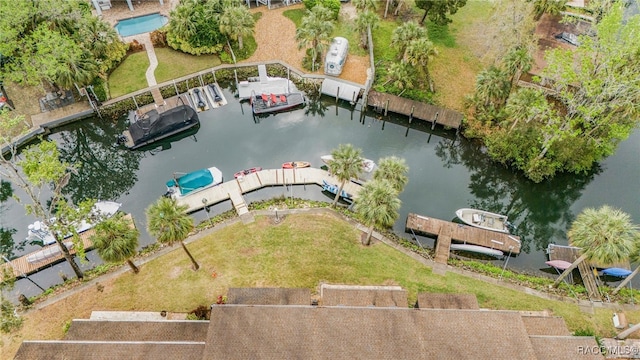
[336,56]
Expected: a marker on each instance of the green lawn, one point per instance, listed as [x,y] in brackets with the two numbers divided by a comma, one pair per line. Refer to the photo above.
[130,75]
[301,251]
[174,64]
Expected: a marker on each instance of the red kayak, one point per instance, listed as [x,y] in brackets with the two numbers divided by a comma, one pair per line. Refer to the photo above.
[246,172]
[295,164]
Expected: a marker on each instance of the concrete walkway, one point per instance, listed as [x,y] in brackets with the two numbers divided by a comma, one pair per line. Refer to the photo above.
[145,39]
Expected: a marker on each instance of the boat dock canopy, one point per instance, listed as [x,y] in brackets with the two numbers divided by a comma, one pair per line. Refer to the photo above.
[341,89]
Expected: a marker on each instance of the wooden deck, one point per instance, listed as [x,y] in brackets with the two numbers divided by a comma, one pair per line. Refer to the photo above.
[415,109]
[447,231]
[234,189]
[21,266]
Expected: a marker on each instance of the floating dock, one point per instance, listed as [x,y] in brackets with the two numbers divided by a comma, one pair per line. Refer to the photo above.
[447,231]
[265,84]
[22,266]
[235,188]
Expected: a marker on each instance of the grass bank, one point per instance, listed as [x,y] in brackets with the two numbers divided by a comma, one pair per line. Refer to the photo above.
[300,251]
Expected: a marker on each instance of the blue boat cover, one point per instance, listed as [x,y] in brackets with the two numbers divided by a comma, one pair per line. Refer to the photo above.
[334,189]
[617,272]
[192,181]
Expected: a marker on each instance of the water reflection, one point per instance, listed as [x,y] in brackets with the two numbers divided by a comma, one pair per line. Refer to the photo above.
[107,170]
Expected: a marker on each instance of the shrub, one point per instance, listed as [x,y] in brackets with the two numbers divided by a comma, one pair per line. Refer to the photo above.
[333,5]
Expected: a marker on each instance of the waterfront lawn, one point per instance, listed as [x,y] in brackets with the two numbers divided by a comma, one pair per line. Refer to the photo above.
[129,76]
[301,251]
[173,64]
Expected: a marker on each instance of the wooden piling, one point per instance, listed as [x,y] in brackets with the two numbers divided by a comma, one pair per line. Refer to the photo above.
[433,124]
[411,115]
[386,107]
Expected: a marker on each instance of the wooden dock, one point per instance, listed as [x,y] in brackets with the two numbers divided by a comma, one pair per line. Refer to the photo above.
[235,188]
[447,231]
[21,266]
[415,109]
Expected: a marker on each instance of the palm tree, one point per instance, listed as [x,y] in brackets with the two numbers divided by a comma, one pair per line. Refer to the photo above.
[606,235]
[169,224]
[377,204]
[418,53]
[525,105]
[516,62]
[404,34]
[181,22]
[394,170]
[552,7]
[492,87]
[116,240]
[401,76]
[365,5]
[79,71]
[237,22]
[346,165]
[365,20]
[314,32]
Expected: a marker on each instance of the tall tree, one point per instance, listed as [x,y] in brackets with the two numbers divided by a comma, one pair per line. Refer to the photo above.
[377,204]
[168,223]
[365,5]
[437,10]
[116,240]
[404,34]
[517,61]
[401,76]
[346,165]
[314,32]
[393,169]
[365,20]
[492,87]
[605,235]
[237,22]
[419,53]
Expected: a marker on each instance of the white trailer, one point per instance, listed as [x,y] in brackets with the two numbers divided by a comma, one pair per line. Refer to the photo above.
[336,56]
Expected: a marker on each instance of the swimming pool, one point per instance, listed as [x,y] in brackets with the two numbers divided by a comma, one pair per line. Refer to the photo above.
[141,24]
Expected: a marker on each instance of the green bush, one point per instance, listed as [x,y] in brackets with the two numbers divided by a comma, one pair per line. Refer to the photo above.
[333,5]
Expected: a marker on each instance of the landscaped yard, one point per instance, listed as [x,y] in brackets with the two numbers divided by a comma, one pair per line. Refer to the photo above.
[300,251]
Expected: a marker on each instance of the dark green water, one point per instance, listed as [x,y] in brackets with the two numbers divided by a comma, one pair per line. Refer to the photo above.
[447,172]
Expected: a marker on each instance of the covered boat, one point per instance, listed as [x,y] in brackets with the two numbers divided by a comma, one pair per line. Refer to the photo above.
[39,232]
[295,164]
[267,103]
[367,165]
[245,172]
[332,188]
[193,182]
[153,126]
[477,249]
[483,219]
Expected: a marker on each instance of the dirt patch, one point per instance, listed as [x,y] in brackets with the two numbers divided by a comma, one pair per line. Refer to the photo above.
[175,272]
[275,35]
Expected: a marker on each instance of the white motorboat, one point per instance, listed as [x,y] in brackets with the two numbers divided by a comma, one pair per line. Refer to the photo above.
[367,164]
[477,249]
[483,220]
[101,210]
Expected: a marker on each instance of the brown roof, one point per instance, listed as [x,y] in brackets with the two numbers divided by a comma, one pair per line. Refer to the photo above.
[364,297]
[447,301]
[566,348]
[269,296]
[70,350]
[545,325]
[163,330]
[276,332]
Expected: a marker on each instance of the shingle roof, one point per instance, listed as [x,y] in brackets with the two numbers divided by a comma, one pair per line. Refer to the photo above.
[364,297]
[165,330]
[566,348]
[269,296]
[71,350]
[447,301]
[276,332]
[545,325]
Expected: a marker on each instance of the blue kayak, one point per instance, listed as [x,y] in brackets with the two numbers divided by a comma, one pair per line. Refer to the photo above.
[617,272]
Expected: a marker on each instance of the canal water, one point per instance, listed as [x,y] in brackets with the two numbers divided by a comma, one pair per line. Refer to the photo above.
[447,172]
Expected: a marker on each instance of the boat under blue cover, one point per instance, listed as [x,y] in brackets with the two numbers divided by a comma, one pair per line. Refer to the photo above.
[192,181]
[334,190]
[617,272]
